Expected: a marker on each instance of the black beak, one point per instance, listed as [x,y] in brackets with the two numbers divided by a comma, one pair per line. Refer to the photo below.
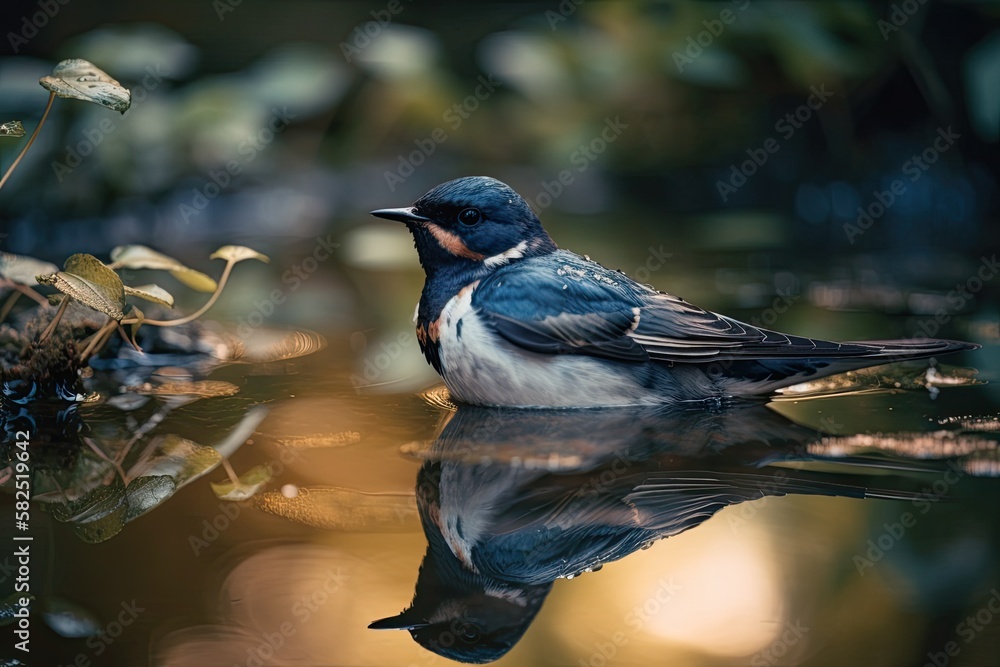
[404,215]
[399,622]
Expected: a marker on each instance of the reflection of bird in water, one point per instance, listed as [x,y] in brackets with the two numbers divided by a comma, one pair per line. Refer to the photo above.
[512,500]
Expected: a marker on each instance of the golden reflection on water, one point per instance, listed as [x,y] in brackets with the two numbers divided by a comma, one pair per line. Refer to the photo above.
[715,594]
[302,604]
[347,547]
[297,577]
[708,593]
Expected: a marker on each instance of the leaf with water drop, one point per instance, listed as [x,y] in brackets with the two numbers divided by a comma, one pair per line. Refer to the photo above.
[82,80]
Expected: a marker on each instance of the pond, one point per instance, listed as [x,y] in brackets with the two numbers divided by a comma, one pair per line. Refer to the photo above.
[282,480]
[849,521]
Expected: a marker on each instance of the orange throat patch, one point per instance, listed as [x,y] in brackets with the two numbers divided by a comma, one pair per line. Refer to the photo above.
[452,243]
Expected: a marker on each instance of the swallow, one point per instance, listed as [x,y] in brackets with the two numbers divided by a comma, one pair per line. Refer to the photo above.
[509,319]
[512,500]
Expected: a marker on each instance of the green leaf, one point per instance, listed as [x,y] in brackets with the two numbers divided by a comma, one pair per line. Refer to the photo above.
[196,280]
[153,293]
[23,269]
[250,482]
[145,493]
[142,257]
[12,128]
[82,80]
[238,253]
[96,516]
[89,281]
[92,269]
[182,460]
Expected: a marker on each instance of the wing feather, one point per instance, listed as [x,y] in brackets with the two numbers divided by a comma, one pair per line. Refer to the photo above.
[564,304]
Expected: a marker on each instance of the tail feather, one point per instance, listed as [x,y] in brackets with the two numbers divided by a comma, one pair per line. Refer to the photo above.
[906,349]
[765,375]
[671,503]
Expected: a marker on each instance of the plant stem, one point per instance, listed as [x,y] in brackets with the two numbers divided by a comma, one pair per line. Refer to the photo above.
[125,337]
[96,339]
[9,304]
[52,96]
[196,314]
[55,320]
[27,291]
[19,289]
[233,477]
[97,450]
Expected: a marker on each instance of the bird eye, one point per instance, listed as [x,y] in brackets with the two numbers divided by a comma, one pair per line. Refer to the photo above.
[470,216]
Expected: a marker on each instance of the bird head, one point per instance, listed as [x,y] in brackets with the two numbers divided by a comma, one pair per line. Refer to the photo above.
[471,223]
[466,622]
[464,615]
[473,629]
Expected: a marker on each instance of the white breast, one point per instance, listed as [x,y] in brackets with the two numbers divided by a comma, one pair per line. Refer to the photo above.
[482,368]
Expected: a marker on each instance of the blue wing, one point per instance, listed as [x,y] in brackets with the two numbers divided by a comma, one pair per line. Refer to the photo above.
[564,304]
[561,303]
